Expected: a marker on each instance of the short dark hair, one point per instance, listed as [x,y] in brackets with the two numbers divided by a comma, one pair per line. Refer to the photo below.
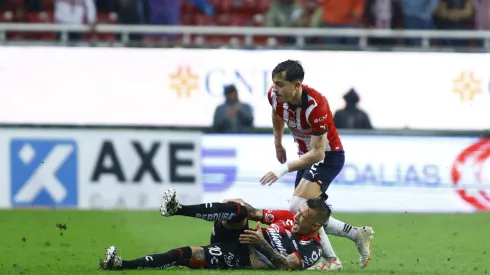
[229,89]
[293,69]
[323,210]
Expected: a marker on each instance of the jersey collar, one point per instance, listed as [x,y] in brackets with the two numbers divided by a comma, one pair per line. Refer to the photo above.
[309,237]
[304,100]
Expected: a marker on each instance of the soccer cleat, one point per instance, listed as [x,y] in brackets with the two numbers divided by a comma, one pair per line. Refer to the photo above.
[170,203]
[112,260]
[327,264]
[363,244]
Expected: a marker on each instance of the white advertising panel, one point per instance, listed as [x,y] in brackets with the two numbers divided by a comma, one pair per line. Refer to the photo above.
[108,169]
[184,86]
[381,173]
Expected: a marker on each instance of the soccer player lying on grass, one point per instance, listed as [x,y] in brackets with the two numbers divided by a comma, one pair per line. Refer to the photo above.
[289,242]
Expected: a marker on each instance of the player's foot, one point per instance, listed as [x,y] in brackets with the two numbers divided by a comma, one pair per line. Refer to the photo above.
[112,260]
[363,244]
[327,264]
[170,203]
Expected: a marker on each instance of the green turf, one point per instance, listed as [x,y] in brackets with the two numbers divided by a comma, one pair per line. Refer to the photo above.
[30,242]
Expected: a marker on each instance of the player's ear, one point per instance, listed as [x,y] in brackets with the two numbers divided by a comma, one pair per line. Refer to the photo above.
[297,84]
[317,226]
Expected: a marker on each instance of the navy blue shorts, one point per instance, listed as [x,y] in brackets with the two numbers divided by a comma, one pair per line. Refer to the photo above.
[323,172]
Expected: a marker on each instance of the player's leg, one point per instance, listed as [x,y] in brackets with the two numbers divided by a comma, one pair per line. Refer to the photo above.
[304,190]
[322,174]
[190,256]
[331,261]
[235,214]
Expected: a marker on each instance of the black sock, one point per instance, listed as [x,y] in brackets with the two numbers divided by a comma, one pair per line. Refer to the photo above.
[178,256]
[215,211]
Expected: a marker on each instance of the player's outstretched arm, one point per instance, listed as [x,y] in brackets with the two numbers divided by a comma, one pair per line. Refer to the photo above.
[256,238]
[316,154]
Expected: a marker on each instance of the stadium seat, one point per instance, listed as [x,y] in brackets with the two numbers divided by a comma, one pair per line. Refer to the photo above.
[8,17]
[188,8]
[104,18]
[13,13]
[48,5]
[40,17]
[222,6]
[14,4]
[249,6]
[263,5]
[188,19]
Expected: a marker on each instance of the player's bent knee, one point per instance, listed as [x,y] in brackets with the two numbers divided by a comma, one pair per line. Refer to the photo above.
[307,189]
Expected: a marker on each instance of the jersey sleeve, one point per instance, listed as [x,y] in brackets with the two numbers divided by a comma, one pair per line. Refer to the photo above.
[318,119]
[272,216]
[269,95]
[309,251]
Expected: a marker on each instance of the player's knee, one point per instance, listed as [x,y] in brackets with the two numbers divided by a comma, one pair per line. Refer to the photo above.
[296,203]
[307,189]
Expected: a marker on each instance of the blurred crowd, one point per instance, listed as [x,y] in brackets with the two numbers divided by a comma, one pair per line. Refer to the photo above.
[382,14]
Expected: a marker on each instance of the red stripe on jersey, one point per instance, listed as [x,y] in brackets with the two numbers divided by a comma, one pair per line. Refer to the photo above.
[279,108]
[302,147]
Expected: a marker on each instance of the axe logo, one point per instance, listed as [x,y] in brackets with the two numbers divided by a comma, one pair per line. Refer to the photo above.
[113,162]
[44,172]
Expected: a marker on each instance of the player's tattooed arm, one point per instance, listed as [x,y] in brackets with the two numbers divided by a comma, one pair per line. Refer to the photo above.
[290,262]
[256,238]
[256,262]
[254,214]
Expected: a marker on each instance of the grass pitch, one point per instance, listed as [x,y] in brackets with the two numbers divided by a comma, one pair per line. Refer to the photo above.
[37,242]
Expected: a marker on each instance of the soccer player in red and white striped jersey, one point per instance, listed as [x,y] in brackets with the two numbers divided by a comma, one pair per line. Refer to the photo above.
[307,114]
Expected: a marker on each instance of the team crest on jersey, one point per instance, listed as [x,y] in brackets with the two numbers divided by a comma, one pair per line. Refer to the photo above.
[269,217]
[292,122]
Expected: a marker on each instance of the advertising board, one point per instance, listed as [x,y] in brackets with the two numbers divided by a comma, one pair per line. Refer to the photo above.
[381,173]
[183,87]
[92,169]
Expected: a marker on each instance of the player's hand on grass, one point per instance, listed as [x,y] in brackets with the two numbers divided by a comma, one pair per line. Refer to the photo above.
[281,154]
[253,237]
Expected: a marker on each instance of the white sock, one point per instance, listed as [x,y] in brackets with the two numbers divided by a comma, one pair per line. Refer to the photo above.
[340,228]
[296,202]
[326,245]
[325,242]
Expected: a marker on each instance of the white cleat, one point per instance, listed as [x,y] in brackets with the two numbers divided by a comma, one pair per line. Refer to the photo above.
[363,244]
[170,203]
[330,264]
[112,260]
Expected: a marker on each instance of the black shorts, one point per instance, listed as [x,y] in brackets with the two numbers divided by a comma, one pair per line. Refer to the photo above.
[323,172]
[225,250]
